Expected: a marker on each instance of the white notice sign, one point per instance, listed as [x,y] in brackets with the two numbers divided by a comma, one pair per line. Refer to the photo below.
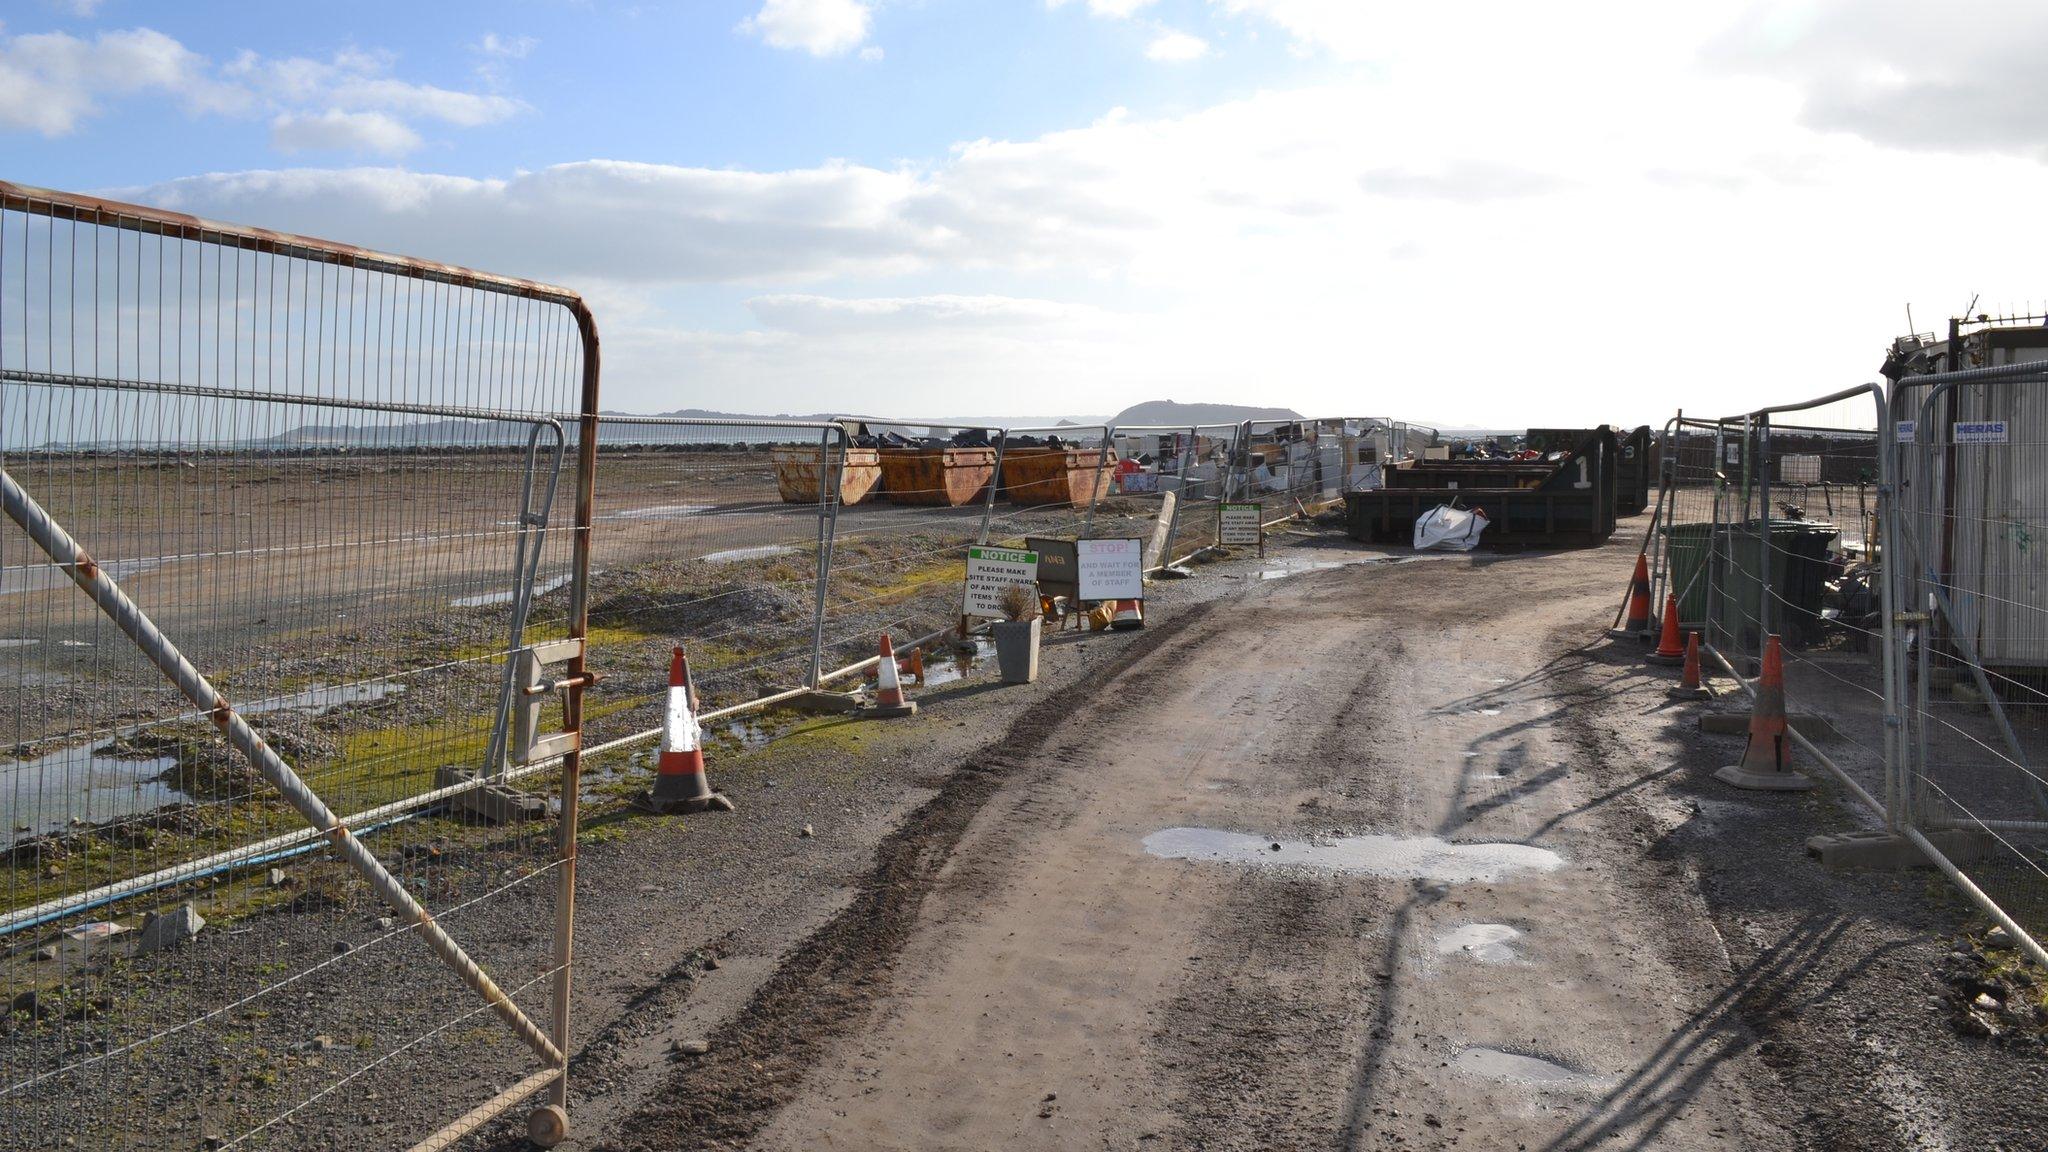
[1110,569]
[1241,523]
[1903,430]
[1980,431]
[989,571]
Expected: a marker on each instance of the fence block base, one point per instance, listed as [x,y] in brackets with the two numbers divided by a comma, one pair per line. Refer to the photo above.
[1741,777]
[495,803]
[1814,728]
[1889,851]
[819,700]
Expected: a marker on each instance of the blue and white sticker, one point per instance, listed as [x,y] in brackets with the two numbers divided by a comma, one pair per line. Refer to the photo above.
[1980,432]
[1904,430]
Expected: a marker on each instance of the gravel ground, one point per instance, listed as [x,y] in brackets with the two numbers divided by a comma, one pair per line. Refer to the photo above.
[1780,1005]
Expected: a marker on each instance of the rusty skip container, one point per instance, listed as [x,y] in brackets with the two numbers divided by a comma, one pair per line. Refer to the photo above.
[797,470]
[1039,475]
[948,477]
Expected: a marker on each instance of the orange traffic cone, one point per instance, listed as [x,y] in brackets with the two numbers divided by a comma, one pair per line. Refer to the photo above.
[1128,614]
[1690,686]
[1670,648]
[889,698]
[679,783]
[1764,759]
[1637,626]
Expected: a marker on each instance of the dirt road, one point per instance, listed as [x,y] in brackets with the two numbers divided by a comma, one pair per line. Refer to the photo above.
[1320,869]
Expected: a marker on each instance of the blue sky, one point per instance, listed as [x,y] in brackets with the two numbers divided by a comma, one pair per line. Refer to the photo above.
[1491,213]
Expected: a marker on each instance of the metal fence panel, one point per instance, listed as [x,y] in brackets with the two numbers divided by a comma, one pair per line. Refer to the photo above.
[326,498]
[1975,524]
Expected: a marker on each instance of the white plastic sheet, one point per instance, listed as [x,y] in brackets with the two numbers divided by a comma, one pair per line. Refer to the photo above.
[1448,528]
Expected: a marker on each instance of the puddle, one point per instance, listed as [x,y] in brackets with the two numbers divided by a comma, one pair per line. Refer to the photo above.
[746,733]
[948,668]
[1403,857]
[1486,943]
[322,698]
[1484,712]
[657,512]
[1292,566]
[1494,1064]
[87,782]
[18,643]
[83,782]
[486,599]
[732,555]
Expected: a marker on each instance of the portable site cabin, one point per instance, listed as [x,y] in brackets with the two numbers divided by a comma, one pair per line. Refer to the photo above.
[1977,462]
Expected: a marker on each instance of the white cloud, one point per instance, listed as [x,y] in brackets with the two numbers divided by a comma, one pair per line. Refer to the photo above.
[506,47]
[1555,228]
[83,9]
[820,27]
[814,315]
[1111,8]
[338,131]
[1173,47]
[51,82]
[1894,72]
[359,81]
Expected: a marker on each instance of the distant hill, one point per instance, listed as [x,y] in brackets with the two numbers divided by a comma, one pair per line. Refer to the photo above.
[1174,412]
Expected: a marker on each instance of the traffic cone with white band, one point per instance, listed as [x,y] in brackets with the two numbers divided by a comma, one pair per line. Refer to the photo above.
[1128,614]
[889,698]
[1769,750]
[679,781]
[1670,646]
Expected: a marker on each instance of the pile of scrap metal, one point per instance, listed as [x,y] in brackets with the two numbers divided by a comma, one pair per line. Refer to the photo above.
[1568,499]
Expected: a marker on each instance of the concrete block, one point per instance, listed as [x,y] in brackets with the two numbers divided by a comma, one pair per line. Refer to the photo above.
[1887,850]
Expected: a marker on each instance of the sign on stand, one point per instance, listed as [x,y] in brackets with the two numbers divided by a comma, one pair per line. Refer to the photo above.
[989,571]
[1243,525]
[1110,569]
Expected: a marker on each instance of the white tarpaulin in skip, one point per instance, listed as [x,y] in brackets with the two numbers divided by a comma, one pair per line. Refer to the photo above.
[1448,528]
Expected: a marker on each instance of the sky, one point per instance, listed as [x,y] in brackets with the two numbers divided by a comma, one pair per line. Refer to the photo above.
[1479,213]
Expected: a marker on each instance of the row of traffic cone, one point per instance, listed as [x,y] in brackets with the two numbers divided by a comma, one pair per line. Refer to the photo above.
[680,784]
[1766,756]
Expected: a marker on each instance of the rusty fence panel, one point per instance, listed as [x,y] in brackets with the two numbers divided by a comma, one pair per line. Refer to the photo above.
[716,535]
[1975,523]
[282,517]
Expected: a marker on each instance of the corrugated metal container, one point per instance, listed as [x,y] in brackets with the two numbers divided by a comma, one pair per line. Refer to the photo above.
[1077,476]
[797,471]
[948,477]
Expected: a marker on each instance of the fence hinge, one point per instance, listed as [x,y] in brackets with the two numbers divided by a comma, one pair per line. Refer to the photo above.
[1892,721]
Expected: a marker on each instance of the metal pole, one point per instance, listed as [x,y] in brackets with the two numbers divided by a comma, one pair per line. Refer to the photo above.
[533,527]
[1180,499]
[828,520]
[572,707]
[995,481]
[1765,560]
[49,536]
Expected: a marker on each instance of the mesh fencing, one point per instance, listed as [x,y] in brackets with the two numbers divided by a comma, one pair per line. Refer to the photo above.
[1974,524]
[324,494]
